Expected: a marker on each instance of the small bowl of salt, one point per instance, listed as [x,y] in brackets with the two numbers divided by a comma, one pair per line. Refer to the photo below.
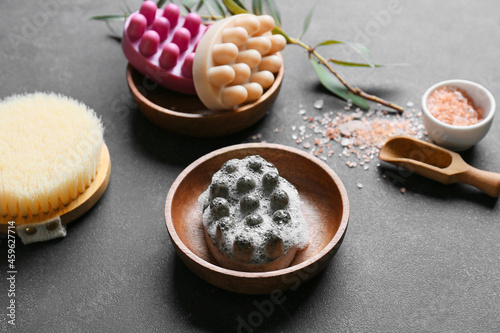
[457,114]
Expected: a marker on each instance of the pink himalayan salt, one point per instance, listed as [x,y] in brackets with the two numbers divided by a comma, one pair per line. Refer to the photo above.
[453,106]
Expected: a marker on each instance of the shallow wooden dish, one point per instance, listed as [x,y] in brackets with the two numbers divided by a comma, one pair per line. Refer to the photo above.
[75,208]
[186,114]
[324,204]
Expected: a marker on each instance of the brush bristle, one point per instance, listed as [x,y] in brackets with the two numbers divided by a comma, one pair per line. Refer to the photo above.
[50,148]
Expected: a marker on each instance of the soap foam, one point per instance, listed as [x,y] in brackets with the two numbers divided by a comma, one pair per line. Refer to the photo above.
[293,233]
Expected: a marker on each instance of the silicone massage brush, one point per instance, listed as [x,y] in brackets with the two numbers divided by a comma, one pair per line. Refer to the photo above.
[236,60]
[160,44]
[54,162]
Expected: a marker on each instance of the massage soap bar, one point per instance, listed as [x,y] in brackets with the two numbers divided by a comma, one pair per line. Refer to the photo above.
[236,61]
[252,216]
[160,44]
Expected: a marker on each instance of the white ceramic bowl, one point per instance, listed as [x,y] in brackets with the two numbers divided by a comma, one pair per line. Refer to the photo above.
[459,138]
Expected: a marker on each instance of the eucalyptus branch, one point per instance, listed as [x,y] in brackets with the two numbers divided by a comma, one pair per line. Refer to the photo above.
[355,90]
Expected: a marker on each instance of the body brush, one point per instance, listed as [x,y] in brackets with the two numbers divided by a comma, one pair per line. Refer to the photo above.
[54,166]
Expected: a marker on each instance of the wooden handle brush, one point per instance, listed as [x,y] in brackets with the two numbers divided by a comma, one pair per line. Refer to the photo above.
[54,160]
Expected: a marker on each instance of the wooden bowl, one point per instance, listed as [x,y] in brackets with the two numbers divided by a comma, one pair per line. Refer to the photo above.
[186,114]
[324,204]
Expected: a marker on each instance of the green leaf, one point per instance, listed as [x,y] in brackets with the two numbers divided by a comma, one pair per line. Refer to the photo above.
[278,31]
[307,21]
[199,5]
[352,64]
[188,4]
[329,42]
[160,3]
[220,9]
[358,48]
[257,7]
[274,11]
[108,18]
[213,7]
[239,3]
[363,52]
[234,8]
[330,82]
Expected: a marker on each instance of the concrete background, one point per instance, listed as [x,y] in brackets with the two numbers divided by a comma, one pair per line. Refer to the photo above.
[427,260]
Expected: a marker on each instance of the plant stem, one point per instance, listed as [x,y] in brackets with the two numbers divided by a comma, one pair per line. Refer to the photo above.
[354,90]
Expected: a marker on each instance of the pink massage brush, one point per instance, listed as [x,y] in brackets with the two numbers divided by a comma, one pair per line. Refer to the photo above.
[160,43]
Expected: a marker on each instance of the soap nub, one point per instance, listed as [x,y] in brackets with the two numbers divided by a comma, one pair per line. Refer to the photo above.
[160,44]
[51,147]
[244,43]
[252,216]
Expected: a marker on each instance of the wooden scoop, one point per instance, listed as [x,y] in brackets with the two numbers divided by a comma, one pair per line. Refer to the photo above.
[437,163]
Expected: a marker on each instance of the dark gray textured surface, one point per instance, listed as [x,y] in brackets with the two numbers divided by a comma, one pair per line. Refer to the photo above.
[425,261]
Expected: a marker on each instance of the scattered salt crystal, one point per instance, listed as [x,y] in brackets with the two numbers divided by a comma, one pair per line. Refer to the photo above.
[359,185]
[410,104]
[357,115]
[319,104]
[351,164]
[366,167]
[276,130]
[294,128]
[345,142]
[359,134]
[403,190]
